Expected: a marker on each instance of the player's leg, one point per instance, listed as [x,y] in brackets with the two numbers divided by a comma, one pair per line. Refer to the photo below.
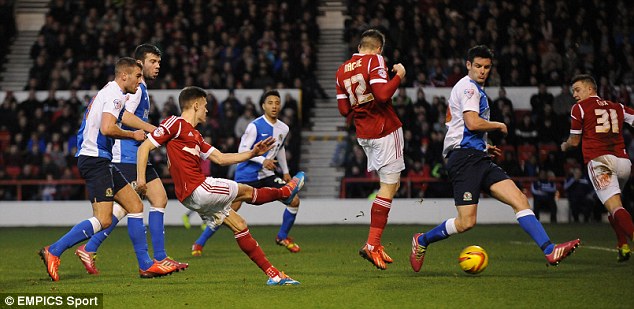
[609,175]
[288,220]
[259,196]
[250,247]
[507,192]
[199,244]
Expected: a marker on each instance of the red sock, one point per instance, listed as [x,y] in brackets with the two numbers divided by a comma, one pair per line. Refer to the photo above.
[267,194]
[378,219]
[621,239]
[623,219]
[255,253]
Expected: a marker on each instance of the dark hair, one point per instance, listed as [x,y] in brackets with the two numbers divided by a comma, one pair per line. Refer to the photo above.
[269,93]
[370,38]
[586,78]
[481,51]
[190,94]
[143,49]
[124,64]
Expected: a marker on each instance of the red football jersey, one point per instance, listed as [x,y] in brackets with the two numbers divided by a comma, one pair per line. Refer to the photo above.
[185,148]
[355,80]
[600,124]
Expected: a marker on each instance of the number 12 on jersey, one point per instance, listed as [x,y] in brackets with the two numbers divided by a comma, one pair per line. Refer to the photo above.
[358,96]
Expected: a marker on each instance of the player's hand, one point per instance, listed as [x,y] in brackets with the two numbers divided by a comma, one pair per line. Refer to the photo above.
[139,135]
[141,187]
[503,128]
[287,177]
[564,146]
[399,69]
[494,151]
[263,146]
[269,164]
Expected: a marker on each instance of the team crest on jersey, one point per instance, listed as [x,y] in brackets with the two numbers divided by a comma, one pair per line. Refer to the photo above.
[467,197]
[469,93]
[109,192]
[382,73]
[280,138]
[117,104]
[158,132]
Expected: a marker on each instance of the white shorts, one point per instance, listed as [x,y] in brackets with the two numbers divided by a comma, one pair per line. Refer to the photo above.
[212,200]
[608,175]
[385,154]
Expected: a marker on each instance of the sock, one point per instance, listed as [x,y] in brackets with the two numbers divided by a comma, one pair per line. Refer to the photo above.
[378,219]
[136,231]
[80,232]
[251,248]
[288,219]
[534,228]
[267,194]
[440,232]
[206,234]
[96,240]
[623,219]
[621,238]
[157,231]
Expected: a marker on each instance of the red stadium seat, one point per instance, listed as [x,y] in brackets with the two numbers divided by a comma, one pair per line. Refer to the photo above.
[524,152]
[545,149]
[13,171]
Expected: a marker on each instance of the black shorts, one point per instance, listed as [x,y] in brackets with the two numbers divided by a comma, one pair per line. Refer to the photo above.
[129,172]
[271,181]
[103,180]
[470,172]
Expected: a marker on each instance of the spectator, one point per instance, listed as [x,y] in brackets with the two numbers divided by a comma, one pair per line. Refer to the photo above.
[544,193]
[580,195]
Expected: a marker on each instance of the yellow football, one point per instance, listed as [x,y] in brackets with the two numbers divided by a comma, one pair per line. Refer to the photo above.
[473,259]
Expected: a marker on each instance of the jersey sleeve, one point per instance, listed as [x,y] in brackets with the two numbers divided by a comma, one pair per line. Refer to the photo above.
[167,130]
[134,100]
[628,115]
[113,105]
[377,70]
[576,119]
[343,102]
[470,99]
[205,148]
[247,141]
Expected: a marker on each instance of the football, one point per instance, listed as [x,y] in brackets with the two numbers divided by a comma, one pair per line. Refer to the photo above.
[473,259]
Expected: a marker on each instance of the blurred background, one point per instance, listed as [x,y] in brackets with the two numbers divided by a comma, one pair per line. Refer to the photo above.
[55,55]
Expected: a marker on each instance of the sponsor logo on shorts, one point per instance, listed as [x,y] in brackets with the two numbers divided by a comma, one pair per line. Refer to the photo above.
[467,197]
[109,192]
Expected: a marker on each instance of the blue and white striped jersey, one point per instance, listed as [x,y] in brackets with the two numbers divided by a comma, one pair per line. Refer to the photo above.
[466,95]
[124,150]
[90,141]
[260,129]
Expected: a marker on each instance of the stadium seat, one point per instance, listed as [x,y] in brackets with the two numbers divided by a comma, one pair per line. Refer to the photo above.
[524,152]
[545,149]
[13,171]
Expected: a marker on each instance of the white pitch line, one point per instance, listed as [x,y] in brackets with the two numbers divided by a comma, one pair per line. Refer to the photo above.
[582,245]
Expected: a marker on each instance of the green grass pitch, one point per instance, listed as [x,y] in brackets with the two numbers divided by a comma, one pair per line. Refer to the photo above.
[332,274]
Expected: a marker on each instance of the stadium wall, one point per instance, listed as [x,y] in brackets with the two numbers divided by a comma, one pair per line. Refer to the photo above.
[313,211]
[520,96]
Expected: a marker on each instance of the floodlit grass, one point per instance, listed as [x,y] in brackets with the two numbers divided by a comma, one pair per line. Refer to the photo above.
[332,274]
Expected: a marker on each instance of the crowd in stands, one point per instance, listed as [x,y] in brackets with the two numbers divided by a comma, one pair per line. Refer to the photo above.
[7,27]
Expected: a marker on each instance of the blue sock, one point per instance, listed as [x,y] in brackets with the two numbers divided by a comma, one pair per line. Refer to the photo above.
[206,234]
[96,240]
[535,229]
[80,232]
[436,234]
[288,219]
[136,230]
[157,231]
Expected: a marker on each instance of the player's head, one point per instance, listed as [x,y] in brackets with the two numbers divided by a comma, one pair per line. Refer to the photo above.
[194,98]
[479,63]
[271,104]
[583,86]
[372,42]
[150,57]
[128,74]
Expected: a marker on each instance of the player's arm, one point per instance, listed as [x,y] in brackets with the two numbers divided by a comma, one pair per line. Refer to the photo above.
[343,103]
[572,142]
[232,158]
[383,92]
[110,128]
[281,159]
[131,120]
[247,140]
[142,155]
[474,122]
